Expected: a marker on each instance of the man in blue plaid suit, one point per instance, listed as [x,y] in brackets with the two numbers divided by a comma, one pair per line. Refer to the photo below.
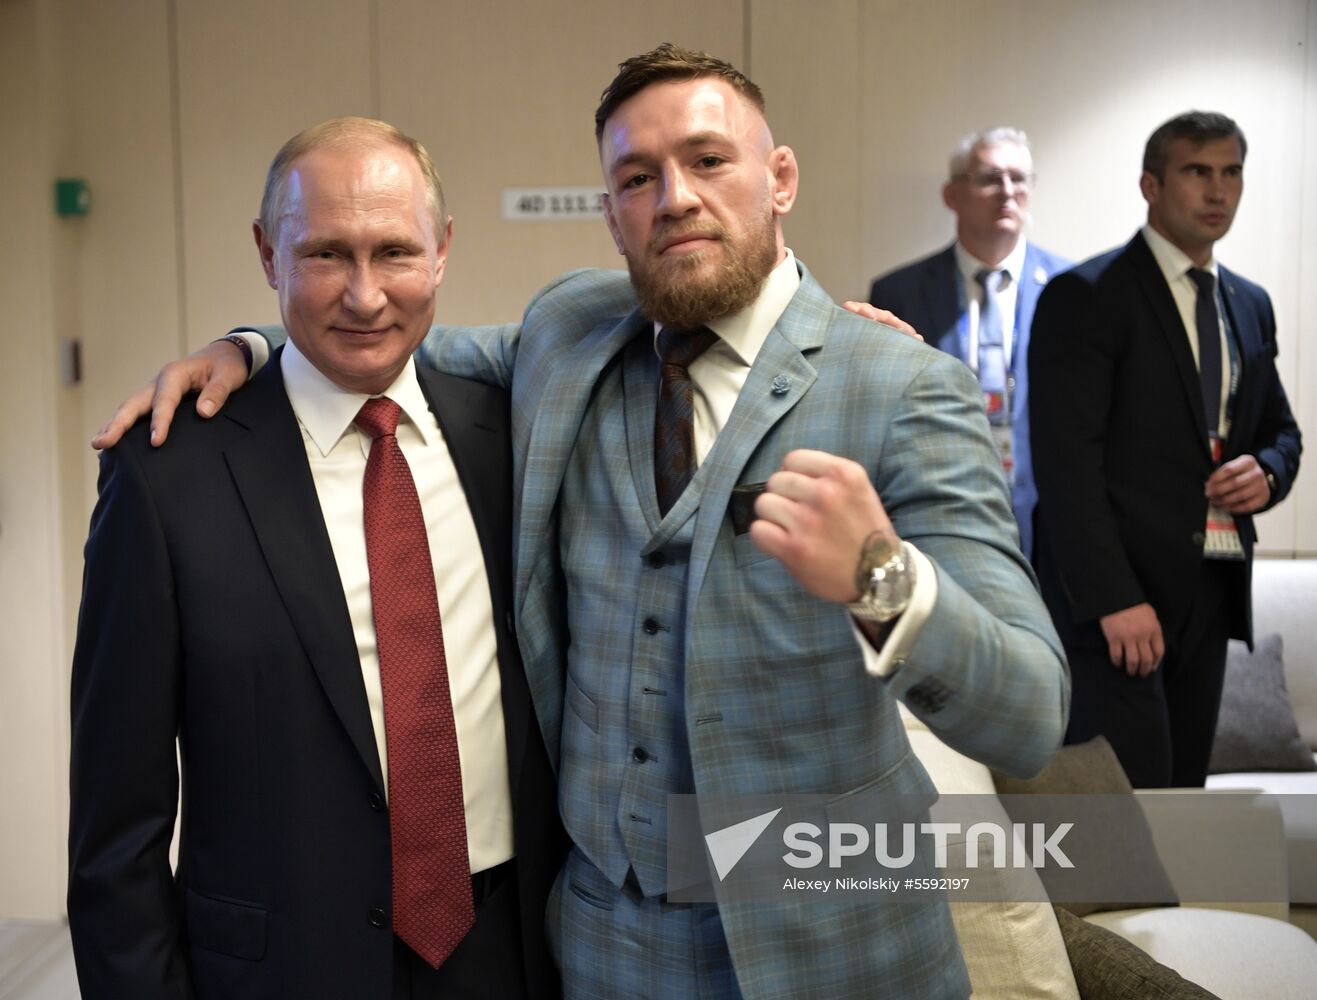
[679,652]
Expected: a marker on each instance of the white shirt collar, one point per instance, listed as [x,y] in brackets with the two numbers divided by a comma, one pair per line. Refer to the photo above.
[744,332]
[1173,261]
[970,266]
[327,410]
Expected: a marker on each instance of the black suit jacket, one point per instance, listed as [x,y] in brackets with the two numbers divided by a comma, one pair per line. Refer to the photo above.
[1120,442]
[212,611]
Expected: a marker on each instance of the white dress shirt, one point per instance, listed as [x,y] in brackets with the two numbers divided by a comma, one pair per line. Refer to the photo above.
[719,374]
[1007,295]
[337,451]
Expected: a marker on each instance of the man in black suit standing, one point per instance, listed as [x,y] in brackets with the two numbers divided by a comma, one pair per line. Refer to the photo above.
[1159,427]
[310,594]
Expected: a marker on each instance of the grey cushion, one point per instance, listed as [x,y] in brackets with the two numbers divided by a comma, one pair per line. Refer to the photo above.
[1256,730]
[1111,831]
[1107,967]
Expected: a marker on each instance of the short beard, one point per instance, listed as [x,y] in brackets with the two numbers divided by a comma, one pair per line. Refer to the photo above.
[673,294]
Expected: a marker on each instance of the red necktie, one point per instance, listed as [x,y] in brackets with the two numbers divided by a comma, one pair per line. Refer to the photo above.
[432,906]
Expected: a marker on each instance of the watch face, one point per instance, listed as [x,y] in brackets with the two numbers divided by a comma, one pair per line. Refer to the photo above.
[890,587]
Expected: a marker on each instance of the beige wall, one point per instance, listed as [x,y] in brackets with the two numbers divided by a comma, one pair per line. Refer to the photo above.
[33,731]
[172,109]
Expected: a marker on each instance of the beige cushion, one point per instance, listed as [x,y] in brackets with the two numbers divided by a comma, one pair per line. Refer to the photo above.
[1013,950]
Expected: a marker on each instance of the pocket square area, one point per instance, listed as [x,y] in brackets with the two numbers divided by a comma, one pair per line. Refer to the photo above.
[743,506]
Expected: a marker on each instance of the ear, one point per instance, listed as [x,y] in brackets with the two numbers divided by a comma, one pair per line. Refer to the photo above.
[441,259]
[785,173]
[266,249]
[950,197]
[612,225]
[1150,186]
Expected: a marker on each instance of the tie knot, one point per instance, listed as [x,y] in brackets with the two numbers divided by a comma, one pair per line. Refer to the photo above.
[681,347]
[989,279]
[379,417]
[1205,280]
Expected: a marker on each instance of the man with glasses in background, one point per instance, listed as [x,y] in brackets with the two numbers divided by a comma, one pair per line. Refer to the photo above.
[975,299]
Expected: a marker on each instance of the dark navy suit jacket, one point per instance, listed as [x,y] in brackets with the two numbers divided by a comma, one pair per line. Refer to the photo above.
[212,611]
[1120,442]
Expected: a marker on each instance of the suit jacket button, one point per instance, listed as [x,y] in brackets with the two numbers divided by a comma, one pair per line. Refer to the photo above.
[376,801]
[377,917]
[651,626]
[640,755]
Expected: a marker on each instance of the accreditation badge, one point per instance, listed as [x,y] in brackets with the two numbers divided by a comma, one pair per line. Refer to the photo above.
[1221,536]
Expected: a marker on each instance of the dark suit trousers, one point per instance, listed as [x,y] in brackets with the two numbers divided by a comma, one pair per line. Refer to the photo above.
[487,965]
[1161,726]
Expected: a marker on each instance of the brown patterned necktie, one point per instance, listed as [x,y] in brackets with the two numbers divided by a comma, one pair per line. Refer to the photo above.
[432,904]
[674,421]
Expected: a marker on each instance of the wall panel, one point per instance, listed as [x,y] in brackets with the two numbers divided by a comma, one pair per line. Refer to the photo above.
[251,75]
[807,61]
[32,684]
[503,95]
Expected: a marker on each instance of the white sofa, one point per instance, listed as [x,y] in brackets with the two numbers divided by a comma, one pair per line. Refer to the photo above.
[1015,950]
[1285,603]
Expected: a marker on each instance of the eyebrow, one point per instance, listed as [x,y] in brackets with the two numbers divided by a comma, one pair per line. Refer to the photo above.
[315,246]
[692,141]
[1201,165]
[319,244]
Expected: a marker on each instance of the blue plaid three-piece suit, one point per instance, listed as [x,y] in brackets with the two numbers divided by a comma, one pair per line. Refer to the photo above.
[774,695]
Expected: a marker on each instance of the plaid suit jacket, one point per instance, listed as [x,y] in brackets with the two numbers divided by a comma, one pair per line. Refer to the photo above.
[777,668]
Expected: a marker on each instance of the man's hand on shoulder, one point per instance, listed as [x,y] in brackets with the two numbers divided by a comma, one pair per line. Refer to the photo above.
[1134,639]
[818,515]
[882,316]
[215,370]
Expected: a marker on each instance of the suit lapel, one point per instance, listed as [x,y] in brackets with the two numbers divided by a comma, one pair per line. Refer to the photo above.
[944,301]
[779,379]
[1032,282]
[555,422]
[474,422]
[1248,338]
[1167,320]
[271,473]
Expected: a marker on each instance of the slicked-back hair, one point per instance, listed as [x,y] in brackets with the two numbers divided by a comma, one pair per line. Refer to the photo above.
[1196,126]
[348,133]
[664,63]
[996,136]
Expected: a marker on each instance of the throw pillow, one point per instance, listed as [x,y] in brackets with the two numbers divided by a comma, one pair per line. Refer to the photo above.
[1256,729]
[1013,950]
[1111,833]
[1107,967]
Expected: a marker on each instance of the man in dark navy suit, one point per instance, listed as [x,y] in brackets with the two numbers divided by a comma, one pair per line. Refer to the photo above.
[1160,427]
[975,299]
[232,601]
